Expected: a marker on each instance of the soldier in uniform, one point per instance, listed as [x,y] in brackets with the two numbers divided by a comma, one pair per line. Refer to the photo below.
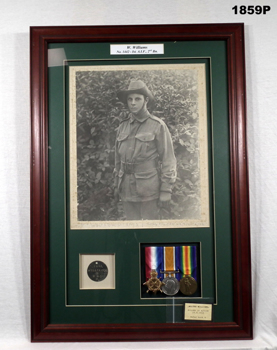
[145,164]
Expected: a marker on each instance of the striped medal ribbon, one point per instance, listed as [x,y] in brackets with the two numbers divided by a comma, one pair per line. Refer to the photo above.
[186,261]
[171,284]
[153,260]
[169,260]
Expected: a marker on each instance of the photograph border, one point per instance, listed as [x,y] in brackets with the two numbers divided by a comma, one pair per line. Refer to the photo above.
[204,219]
[41,329]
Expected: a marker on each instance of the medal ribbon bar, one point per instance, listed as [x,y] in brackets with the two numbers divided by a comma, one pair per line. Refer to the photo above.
[153,260]
[186,260]
[168,259]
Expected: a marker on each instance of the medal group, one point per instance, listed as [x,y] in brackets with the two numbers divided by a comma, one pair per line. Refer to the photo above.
[161,263]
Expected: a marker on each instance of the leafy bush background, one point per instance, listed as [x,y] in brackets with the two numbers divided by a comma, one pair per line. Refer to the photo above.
[99,113]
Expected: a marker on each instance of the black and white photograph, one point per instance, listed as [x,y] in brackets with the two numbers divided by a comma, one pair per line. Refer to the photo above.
[138,146]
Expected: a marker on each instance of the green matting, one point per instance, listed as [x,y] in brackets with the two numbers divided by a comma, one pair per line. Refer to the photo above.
[69,304]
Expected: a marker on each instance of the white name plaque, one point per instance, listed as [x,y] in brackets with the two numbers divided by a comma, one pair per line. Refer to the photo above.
[137,49]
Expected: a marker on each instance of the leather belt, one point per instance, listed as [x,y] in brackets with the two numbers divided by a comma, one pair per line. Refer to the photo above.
[131,168]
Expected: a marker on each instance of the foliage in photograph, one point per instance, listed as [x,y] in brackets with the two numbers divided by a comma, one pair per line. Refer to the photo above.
[99,114]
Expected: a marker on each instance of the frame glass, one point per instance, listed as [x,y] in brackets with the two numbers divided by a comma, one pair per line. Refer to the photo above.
[200,238]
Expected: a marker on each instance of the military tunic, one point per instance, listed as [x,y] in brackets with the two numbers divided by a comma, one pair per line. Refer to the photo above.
[145,164]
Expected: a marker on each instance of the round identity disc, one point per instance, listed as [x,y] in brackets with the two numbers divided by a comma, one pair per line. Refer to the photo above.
[188,285]
[171,286]
[97,271]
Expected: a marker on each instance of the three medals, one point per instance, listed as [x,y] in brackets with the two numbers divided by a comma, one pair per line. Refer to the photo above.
[170,285]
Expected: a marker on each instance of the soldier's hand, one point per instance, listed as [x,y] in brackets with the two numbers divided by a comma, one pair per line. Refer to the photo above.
[164,200]
[116,195]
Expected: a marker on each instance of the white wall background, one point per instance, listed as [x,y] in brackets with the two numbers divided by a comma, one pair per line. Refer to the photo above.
[261,61]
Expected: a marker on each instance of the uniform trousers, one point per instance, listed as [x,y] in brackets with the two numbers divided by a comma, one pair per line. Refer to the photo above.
[148,210]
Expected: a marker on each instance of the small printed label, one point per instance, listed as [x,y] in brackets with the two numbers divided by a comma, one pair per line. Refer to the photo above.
[198,312]
[251,10]
[137,49]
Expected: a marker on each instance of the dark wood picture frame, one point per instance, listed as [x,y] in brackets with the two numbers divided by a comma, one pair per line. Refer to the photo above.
[42,330]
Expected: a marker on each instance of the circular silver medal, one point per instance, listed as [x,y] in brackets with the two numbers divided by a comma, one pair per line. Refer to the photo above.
[171,286]
[97,271]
